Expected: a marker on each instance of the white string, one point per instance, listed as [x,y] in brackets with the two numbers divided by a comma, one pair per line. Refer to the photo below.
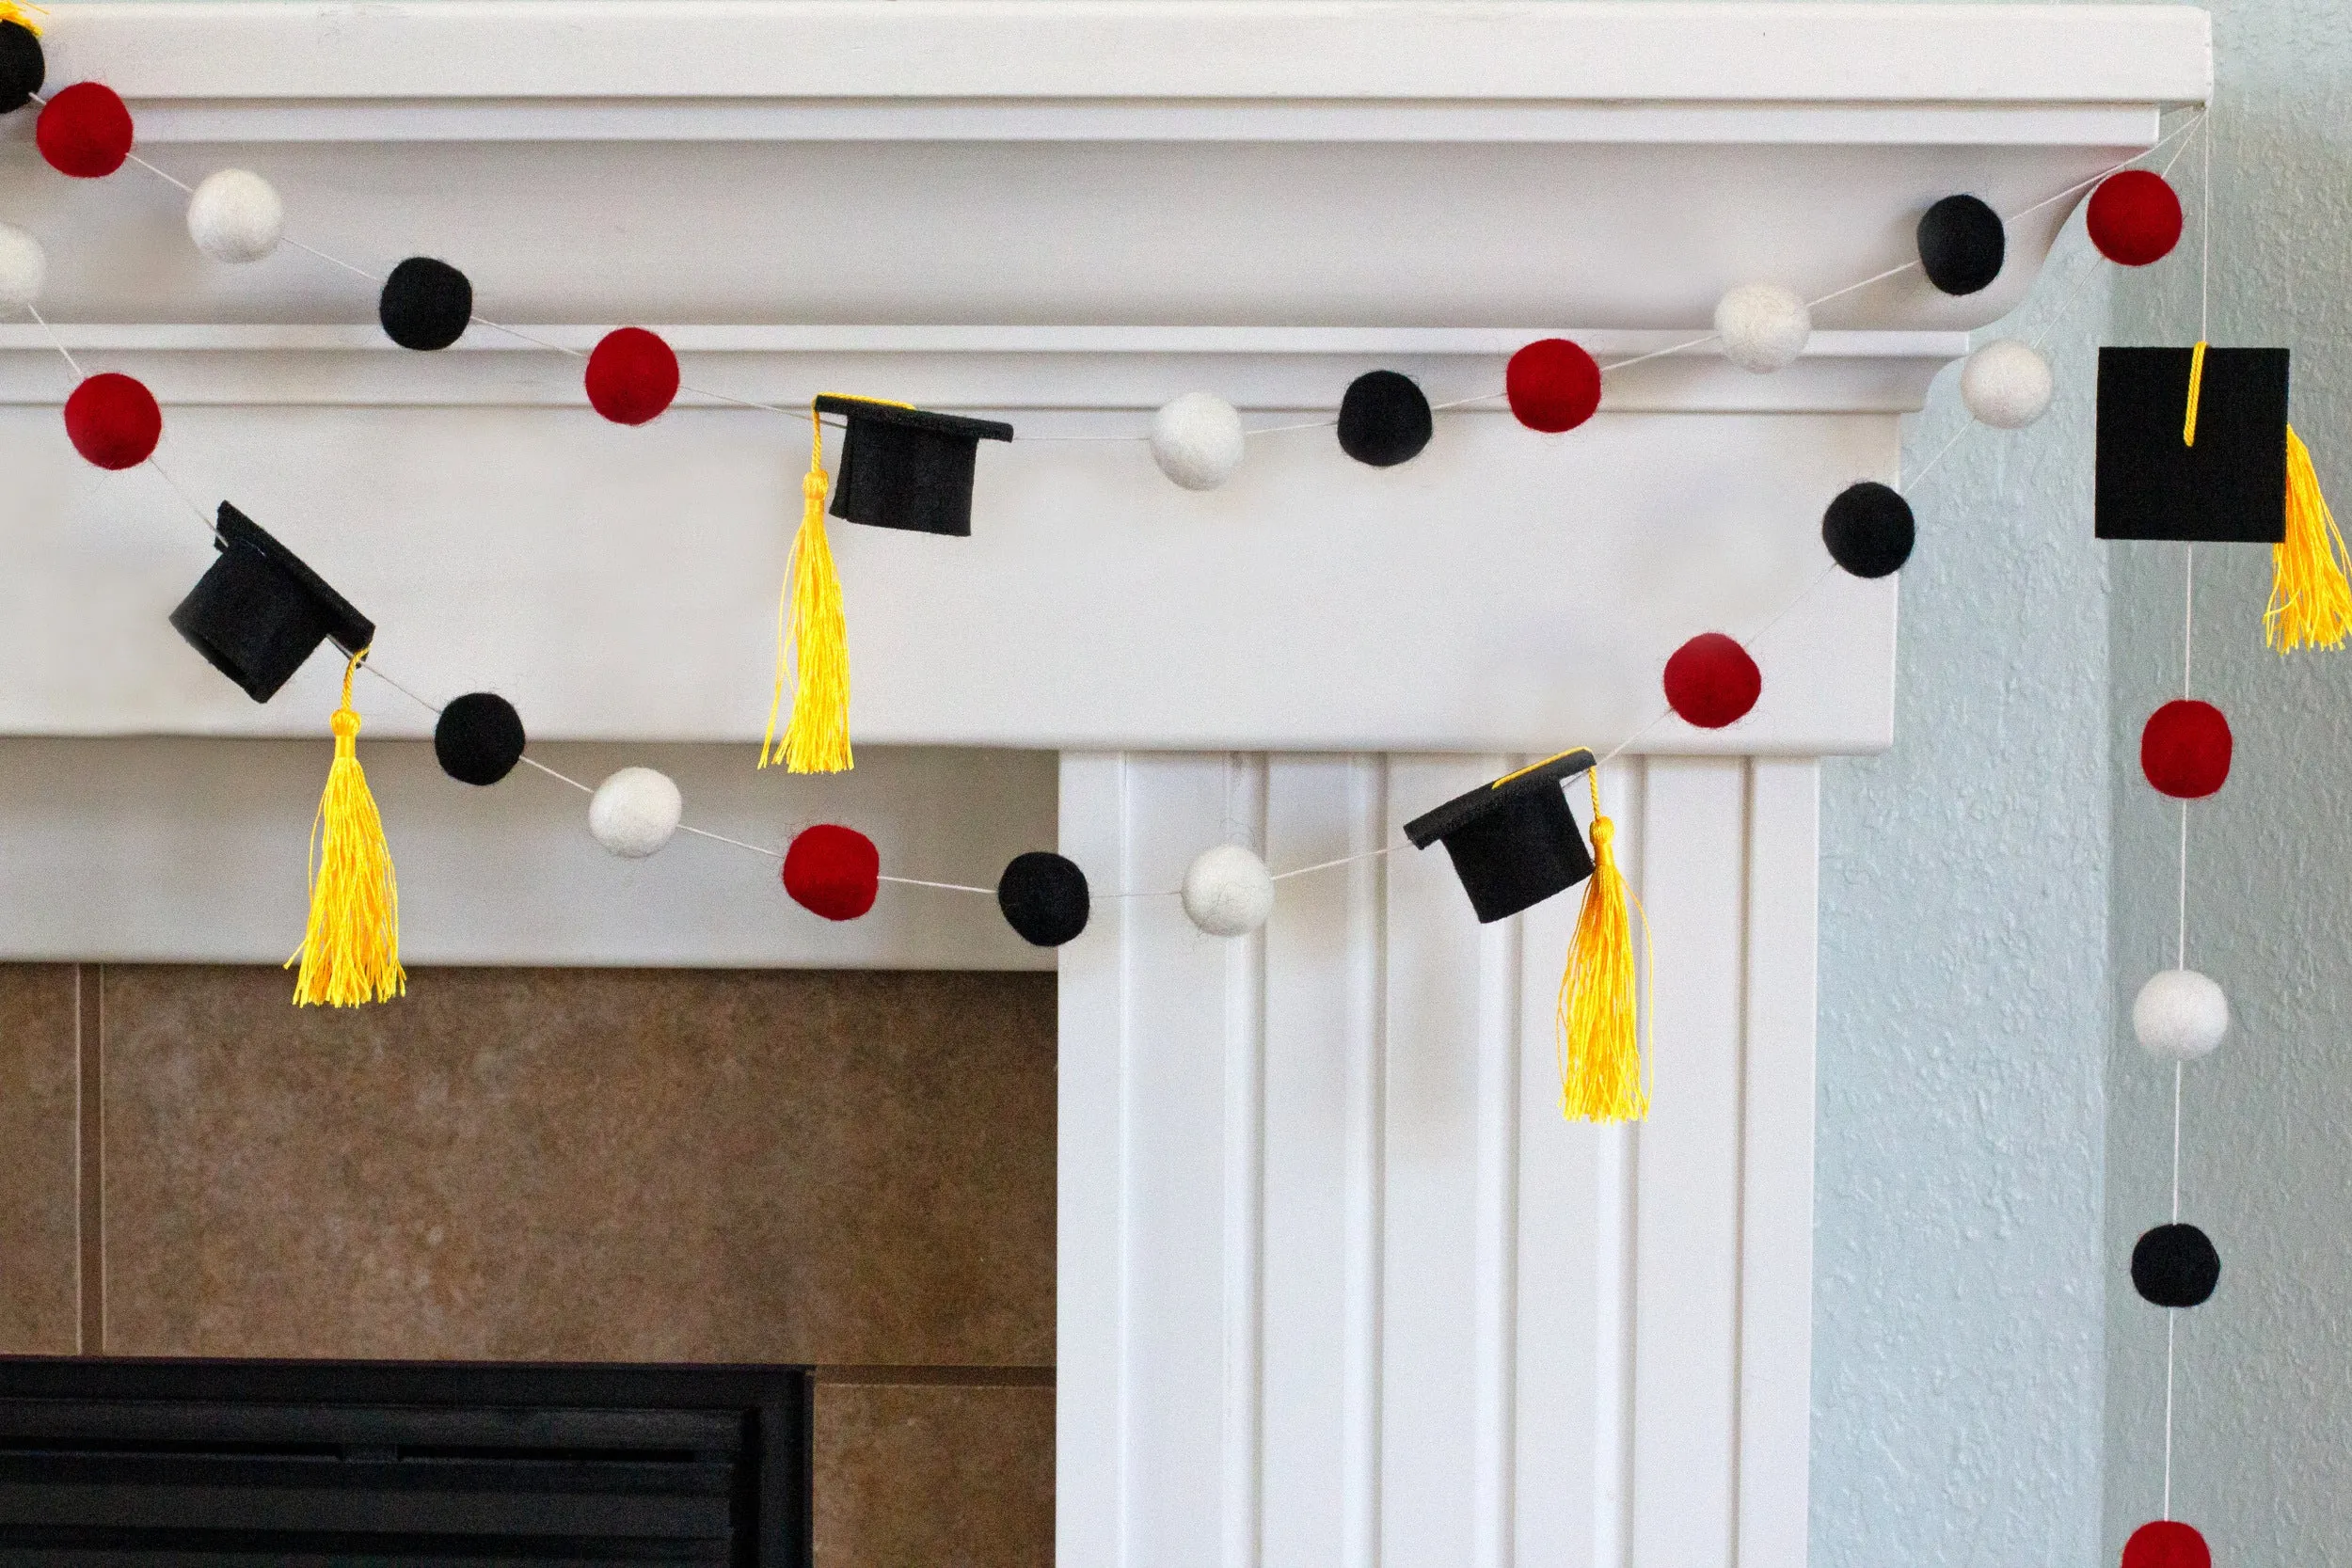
[2172,1323]
[1905,486]
[2204,236]
[946,887]
[56,343]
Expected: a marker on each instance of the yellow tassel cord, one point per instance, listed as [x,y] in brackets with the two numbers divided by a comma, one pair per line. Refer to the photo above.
[812,641]
[22,15]
[351,952]
[2196,391]
[2311,603]
[1602,1027]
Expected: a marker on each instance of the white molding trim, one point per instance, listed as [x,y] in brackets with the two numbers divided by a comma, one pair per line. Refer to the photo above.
[1126,49]
[1076,371]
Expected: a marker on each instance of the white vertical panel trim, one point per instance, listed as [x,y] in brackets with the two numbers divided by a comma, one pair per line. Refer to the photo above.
[1245,1181]
[1340,1289]
[1777,1185]
[1367,1161]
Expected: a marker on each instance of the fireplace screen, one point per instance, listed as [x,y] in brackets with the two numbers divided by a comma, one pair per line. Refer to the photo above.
[148,1464]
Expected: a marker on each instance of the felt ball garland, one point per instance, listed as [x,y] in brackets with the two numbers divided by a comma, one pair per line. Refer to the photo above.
[113,420]
[2185,749]
[2175,1266]
[635,812]
[1868,529]
[833,871]
[1764,326]
[426,304]
[23,66]
[236,217]
[1197,441]
[2180,1014]
[2167,1544]
[1961,244]
[2005,384]
[2134,217]
[1384,419]
[1228,891]
[85,131]
[633,376]
[23,268]
[479,738]
[1711,682]
[1044,898]
[1552,385]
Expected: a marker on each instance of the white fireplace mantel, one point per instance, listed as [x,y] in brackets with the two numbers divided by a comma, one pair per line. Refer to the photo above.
[1337,1288]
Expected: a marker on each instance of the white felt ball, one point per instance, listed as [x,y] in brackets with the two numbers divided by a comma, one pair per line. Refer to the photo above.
[1764,326]
[635,811]
[2005,384]
[1228,891]
[1197,440]
[23,268]
[2180,1014]
[236,217]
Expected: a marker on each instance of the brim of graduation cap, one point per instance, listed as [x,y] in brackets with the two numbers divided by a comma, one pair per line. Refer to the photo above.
[908,468]
[860,411]
[1464,810]
[2227,487]
[345,626]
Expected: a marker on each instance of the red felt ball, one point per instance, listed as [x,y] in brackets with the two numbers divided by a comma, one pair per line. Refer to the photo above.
[2134,217]
[833,871]
[633,376]
[1712,681]
[2185,750]
[85,131]
[113,421]
[2167,1544]
[1552,384]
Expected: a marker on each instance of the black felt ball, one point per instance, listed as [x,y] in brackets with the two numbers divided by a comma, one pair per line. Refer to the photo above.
[1868,529]
[479,739]
[23,66]
[1044,897]
[426,304]
[1961,244]
[2175,1265]
[1384,419]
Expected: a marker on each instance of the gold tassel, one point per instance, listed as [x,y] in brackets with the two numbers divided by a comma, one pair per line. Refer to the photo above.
[2310,603]
[1601,1035]
[351,952]
[813,635]
[22,15]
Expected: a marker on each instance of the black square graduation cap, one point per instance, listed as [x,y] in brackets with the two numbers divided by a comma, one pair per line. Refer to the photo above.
[2231,485]
[1514,842]
[257,611]
[907,468]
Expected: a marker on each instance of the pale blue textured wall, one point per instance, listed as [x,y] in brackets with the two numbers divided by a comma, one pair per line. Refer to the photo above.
[1959,1308]
[2264,1387]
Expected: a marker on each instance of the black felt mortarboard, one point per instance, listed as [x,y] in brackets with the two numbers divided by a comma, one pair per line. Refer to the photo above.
[257,611]
[23,67]
[2229,486]
[1514,842]
[907,468]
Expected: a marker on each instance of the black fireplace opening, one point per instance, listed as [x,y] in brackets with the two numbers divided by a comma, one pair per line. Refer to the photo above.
[156,1464]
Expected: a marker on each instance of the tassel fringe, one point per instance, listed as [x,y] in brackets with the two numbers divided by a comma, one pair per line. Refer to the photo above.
[812,641]
[2311,603]
[1601,1076]
[351,952]
[22,15]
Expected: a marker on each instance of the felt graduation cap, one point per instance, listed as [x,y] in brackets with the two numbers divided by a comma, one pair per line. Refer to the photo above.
[257,612]
[901,468]
[23,66]
[1514,843]
[907,468]
[2193,445]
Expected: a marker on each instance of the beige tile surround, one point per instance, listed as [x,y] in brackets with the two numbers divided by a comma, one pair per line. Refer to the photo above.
[852,1170]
